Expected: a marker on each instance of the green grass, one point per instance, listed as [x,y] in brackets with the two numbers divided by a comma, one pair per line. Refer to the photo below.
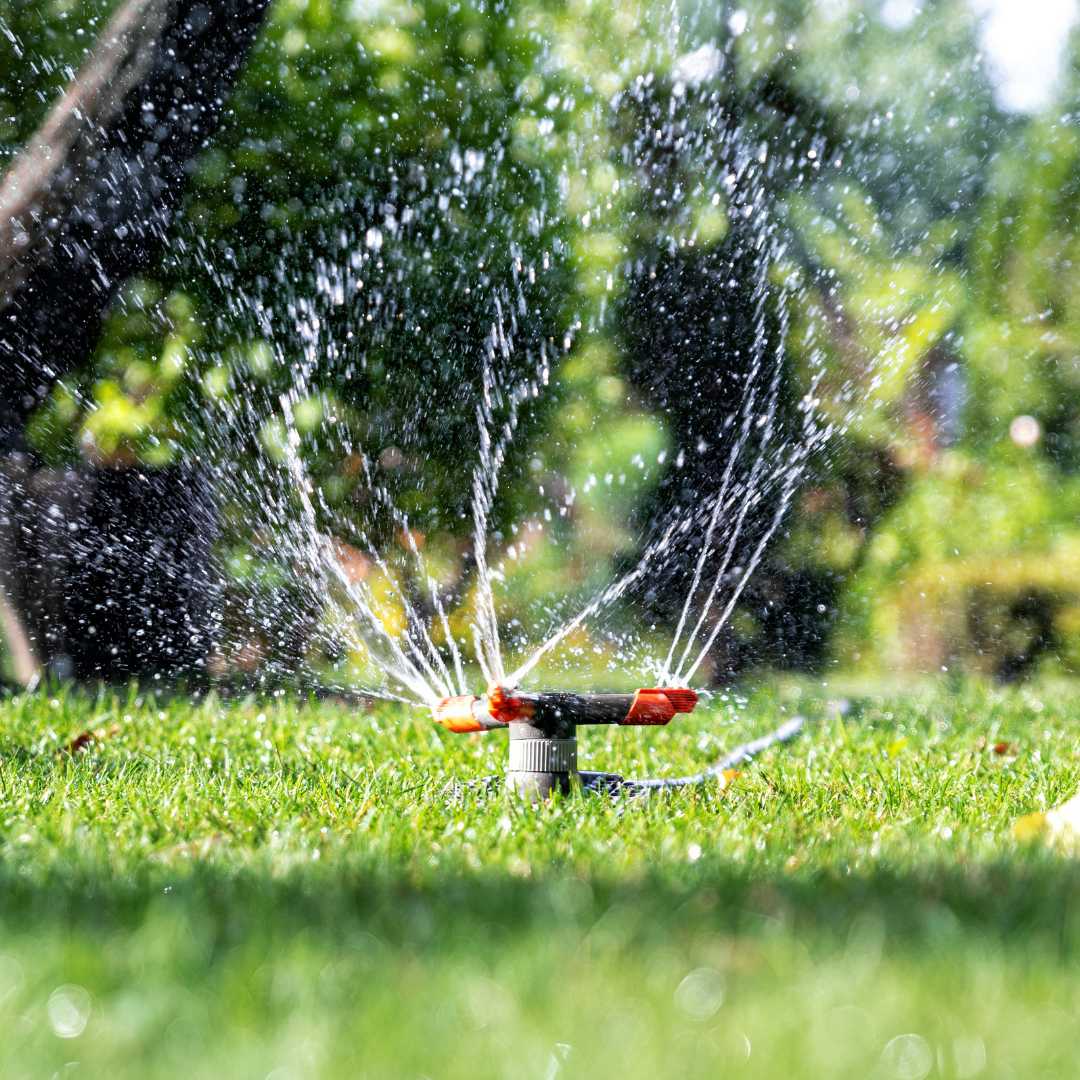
[249,889]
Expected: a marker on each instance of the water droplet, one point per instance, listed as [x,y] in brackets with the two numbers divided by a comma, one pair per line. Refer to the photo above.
[701,993]
[907,1057]
[69,1010]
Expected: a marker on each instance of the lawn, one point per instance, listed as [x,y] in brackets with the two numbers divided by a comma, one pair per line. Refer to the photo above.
[251,889]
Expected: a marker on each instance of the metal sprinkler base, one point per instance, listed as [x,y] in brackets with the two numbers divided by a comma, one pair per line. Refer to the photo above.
[539,764]
[543,729]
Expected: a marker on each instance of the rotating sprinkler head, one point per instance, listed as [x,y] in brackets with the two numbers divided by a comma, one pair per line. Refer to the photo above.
[543,726]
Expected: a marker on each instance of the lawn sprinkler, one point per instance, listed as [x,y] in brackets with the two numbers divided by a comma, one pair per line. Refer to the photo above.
[543,728]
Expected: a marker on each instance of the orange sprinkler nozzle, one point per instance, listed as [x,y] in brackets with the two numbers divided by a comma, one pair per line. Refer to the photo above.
[656,706]
[465,713]
[456,714]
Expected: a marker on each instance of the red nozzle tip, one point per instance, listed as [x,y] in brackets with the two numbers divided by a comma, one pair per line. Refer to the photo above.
[655,706]
[505,707]
[682,697]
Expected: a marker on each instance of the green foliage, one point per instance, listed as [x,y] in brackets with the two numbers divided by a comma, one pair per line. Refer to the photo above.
[977,565]
[141,385]
[919,117]
[1025,322]
[943,577]
[42,45]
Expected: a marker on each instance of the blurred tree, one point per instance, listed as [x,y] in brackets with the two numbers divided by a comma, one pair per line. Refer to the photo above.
[887,250]
[978,565]
[83,205]
[871,179]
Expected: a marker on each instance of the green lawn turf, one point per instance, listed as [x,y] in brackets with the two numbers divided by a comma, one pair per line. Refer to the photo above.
[250,889]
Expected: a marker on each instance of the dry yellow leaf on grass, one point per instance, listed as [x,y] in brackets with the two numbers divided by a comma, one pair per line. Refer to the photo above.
[1029,827]
[1060,826]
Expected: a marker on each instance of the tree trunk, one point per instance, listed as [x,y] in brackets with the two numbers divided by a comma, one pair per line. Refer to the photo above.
[89,200]
[115,575]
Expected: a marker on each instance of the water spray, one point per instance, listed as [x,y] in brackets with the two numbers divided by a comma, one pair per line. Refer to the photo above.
[543,726]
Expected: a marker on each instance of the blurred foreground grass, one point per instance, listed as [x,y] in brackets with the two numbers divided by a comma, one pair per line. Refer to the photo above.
[251,889]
